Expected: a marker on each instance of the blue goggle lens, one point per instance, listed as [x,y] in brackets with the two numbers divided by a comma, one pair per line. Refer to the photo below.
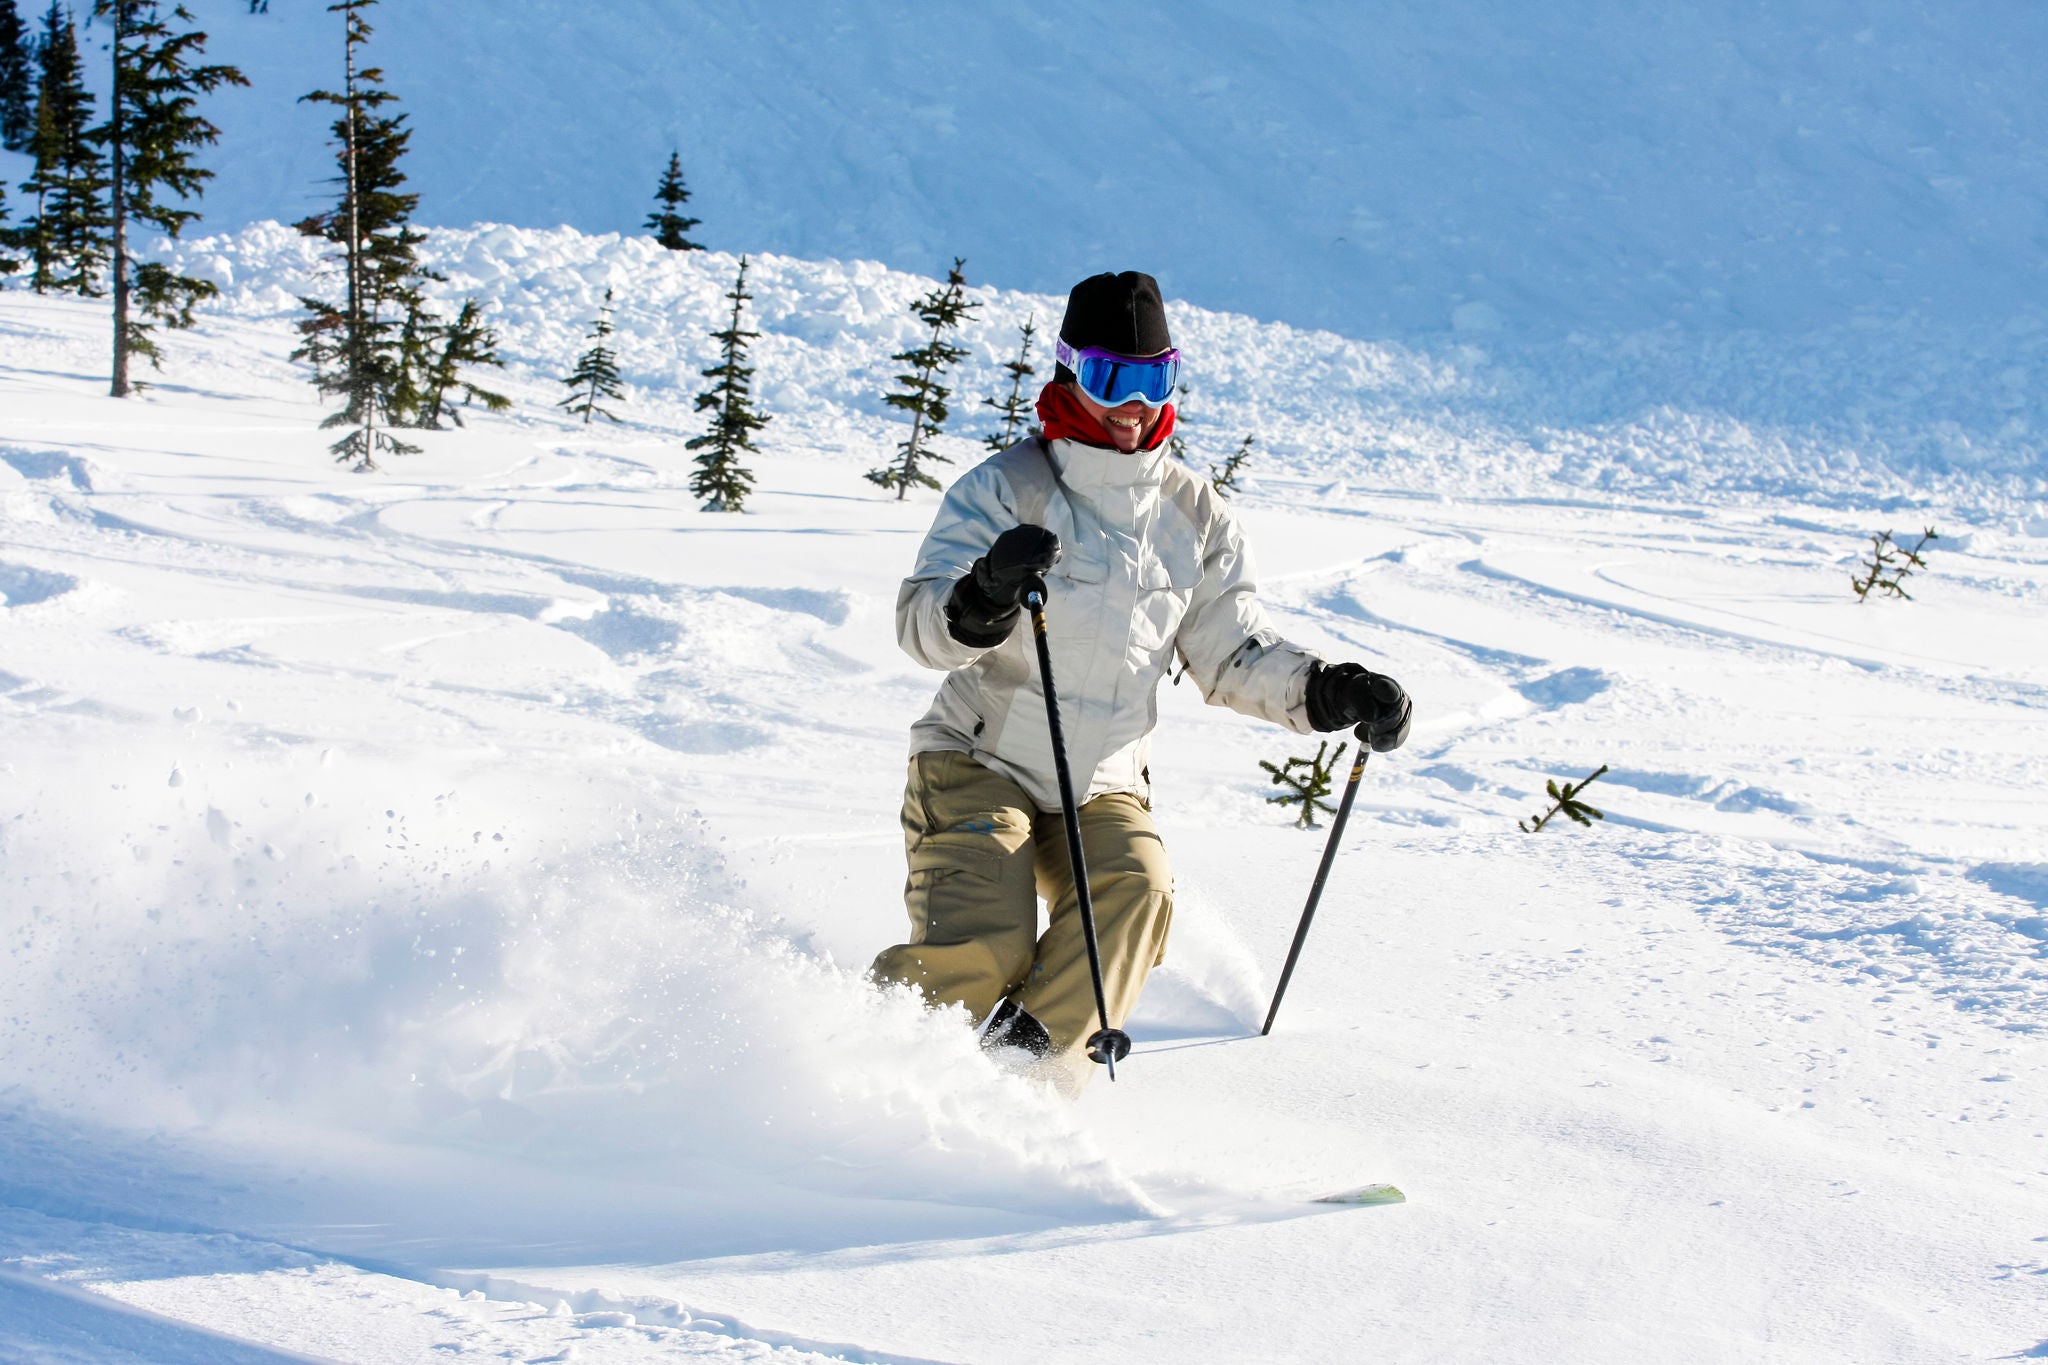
[1113,380]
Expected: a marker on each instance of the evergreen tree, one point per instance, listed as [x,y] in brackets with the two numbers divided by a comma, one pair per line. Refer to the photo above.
[17,85]
[416,338]
[150,135]
[1176,445]
[667,222]
[1223,477]
[355,346]
[66,237]
[8,265]
[720,478]
[597,371]
[465,341]
[1016,408]
[923,396]
[1307,787]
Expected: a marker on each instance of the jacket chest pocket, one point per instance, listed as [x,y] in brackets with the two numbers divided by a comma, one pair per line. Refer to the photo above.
[1167,575]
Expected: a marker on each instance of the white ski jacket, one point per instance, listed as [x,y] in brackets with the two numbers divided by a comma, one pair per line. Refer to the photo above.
[1153,564]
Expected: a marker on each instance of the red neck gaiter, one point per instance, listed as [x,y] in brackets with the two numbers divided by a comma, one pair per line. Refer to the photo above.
[1064,419]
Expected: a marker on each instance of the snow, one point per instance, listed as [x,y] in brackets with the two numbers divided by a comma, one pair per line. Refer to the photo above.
[435,902]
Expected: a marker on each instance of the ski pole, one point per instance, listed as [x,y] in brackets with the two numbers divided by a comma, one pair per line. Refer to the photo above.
[1315,892]
[1107,1046]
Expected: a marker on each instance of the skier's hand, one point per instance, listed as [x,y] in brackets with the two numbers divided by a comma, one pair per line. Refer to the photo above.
[1344,695]
[983,605]
[1019,555]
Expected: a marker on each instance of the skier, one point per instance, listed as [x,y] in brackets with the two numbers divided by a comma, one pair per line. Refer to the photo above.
[1142,561]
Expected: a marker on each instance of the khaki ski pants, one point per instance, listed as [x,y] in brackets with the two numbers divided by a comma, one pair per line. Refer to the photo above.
[980,857]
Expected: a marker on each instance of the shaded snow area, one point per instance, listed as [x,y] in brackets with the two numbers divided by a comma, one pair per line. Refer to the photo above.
[1480,166]
[435,902]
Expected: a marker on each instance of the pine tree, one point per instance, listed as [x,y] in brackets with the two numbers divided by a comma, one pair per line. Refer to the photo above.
[1889,566]
[464,342]
[355,346]
[1309,786]
[720,478]
[17,86]
[667,222]
[1565,800]
[923,396]
[66,237]
[1223,477]
[597,371]
[1016,408]
[150,135]
[8,265]
[1176,445]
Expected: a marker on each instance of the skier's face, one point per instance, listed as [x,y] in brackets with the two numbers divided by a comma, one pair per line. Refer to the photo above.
[1128,426]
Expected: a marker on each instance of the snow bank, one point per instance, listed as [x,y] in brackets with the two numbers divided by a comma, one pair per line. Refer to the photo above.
[1898,414]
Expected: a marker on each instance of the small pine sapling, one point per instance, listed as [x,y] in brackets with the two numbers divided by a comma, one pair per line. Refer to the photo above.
[416,337]
[667,222]
[1015,408]
[923,396]
[597,371]
[1223,477]
[1308,786]
[1176,446]
[1889,565]
[466,341]
[721,480]
[1565,800]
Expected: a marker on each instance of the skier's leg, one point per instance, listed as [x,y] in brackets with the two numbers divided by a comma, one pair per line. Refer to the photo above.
[1131,886]
[972,901]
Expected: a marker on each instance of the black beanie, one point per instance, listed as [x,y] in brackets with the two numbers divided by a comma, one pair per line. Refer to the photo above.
[1121,313]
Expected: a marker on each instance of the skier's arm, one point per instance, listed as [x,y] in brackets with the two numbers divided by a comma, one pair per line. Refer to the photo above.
[976,509]
[1230,648]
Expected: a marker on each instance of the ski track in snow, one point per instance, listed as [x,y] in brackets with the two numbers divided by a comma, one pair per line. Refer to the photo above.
[445,892]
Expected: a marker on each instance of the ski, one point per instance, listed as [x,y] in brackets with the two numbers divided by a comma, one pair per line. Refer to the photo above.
[1365,1195]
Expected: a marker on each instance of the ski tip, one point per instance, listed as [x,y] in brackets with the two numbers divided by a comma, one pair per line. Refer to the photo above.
[1366,1194]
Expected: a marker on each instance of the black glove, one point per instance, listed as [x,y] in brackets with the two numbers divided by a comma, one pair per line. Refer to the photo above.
[1343,695]
[983,605]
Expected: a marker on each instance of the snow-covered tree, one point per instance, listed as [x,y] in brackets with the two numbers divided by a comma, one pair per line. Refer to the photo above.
[1016,406]
[721,480]
[65,237]
[667,222]
[354,346]
[597,371]
[923,396]
[17,84]
[151,133]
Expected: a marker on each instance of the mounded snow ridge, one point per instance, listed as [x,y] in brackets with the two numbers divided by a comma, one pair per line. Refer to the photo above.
[1894,414]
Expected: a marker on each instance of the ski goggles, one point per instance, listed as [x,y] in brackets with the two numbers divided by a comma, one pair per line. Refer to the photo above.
[1113,380]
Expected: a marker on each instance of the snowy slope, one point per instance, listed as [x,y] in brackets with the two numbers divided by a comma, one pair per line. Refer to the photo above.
[434,902]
